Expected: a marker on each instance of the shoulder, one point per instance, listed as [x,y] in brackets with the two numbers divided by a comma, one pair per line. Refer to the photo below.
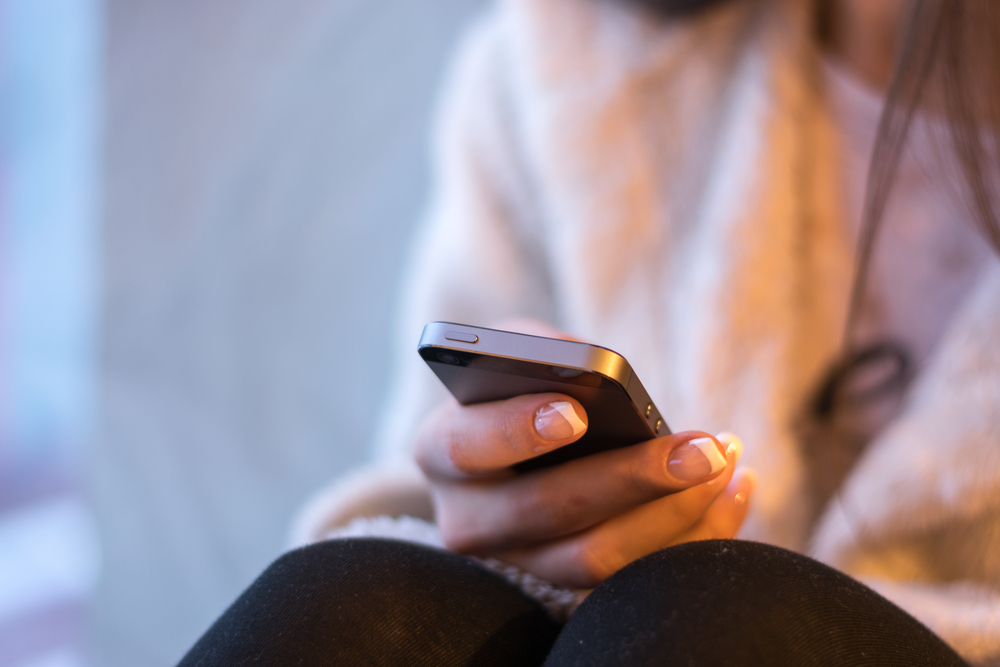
[541,58]
[553,43]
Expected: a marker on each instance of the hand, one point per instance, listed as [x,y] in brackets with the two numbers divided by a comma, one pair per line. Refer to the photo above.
[577,523]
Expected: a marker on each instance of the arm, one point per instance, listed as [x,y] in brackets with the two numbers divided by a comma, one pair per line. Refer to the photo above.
[481,259]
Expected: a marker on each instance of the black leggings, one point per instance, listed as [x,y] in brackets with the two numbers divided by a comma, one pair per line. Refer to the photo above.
[723,602]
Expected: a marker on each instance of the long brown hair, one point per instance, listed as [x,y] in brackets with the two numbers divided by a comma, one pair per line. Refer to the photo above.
[948,64]
[948,68]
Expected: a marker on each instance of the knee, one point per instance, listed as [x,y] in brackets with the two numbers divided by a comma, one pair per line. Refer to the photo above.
[374,586]
[383,580]
[743,603]
[380,568]
[730,572]
[740,579]
[351,601]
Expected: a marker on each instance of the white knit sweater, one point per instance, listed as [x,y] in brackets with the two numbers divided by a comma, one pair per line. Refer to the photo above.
[671,190]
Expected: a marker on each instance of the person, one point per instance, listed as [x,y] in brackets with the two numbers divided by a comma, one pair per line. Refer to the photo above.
[688,183]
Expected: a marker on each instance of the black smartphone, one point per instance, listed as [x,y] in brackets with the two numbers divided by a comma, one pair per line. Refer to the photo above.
[479,365]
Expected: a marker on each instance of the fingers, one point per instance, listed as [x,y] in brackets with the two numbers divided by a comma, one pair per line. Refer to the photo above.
[478,440]
[725,516]
[474,441]
[554,502]
[585,559]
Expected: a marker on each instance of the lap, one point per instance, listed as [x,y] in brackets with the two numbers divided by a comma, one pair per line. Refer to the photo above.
[731,602]
[379,602]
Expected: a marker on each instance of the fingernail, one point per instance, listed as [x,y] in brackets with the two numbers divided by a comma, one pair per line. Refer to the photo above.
[696,458]
[558,421]
[732,443]
[746,484]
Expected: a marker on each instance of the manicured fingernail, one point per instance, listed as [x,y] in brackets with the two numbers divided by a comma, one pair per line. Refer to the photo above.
[732,443]
[558,421]
[696,458]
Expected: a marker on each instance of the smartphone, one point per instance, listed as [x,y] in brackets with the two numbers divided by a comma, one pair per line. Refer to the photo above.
[479,365]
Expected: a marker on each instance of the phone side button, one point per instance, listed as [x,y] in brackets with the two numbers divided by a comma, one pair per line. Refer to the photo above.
[461,337]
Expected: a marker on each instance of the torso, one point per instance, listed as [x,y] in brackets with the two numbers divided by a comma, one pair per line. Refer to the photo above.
[926,259]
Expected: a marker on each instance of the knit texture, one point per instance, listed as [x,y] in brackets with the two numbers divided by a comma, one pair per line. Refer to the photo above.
[671,190]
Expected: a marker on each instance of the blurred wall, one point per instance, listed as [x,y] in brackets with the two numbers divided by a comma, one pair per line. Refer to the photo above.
[265,163]
[51,72]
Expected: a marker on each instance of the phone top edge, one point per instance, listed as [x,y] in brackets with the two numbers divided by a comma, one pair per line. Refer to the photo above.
[541,349]
[473,327]
[555,351]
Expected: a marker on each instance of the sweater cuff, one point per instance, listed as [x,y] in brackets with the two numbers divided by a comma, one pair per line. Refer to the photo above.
[558,602]
[388,489]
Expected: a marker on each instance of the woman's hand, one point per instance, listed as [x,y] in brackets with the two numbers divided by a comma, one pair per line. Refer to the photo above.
[576,523]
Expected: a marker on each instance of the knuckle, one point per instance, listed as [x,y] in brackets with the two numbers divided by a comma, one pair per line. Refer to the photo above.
[546,508]
[422,458]
[469,521]
[641,478]
[510,431]
[456,451]
[438,441]
[422,445]
[643,472]
[533,506]
[471,541]
[557,510]
[459,537]
[458,542]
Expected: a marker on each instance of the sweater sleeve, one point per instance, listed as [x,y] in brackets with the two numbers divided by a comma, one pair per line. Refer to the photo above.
[964,614]
[477,259]
[918,518]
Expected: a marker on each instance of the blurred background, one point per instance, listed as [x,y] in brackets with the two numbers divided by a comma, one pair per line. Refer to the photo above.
[204,205]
